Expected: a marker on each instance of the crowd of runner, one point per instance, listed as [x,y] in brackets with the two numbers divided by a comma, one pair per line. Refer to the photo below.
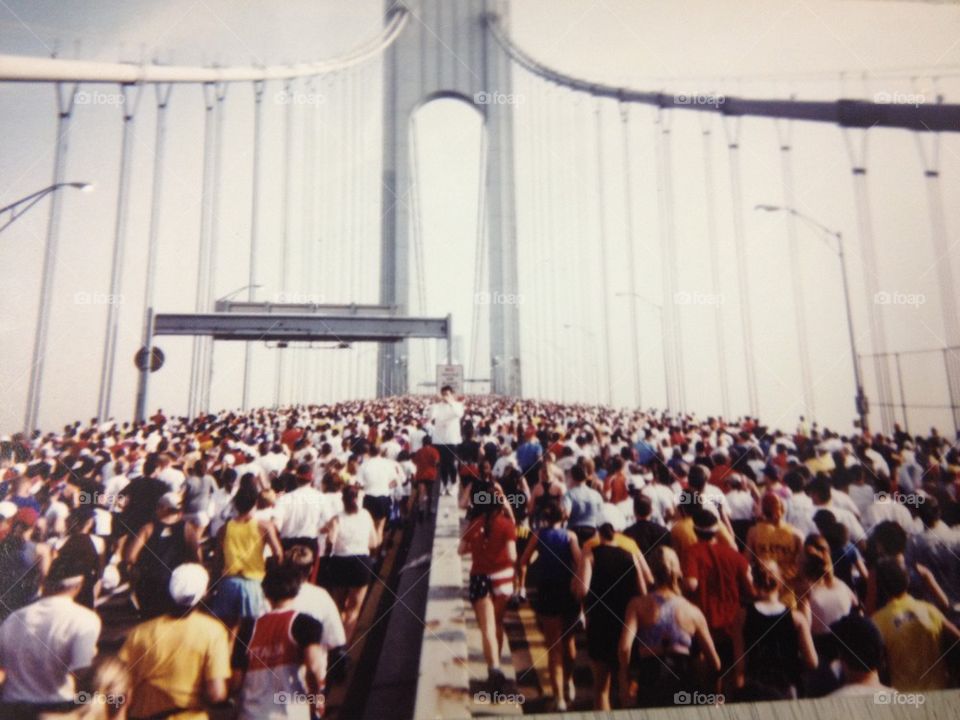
[691,557]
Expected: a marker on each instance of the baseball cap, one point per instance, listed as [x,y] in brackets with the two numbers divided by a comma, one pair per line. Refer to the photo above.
[7,510]
[188,584]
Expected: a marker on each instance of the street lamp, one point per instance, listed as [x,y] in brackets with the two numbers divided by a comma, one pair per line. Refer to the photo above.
[235,292]
[861,398]
[18,208]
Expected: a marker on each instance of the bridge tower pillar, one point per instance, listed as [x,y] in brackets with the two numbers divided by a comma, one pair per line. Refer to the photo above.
[447,50]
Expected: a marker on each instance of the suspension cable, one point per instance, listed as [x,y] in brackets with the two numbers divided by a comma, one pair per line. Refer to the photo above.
[714,242]
[129,114]
[732,129]
[878,335]
[216,192]
[785,139]
[210,105]
[479,255]
[17,68]
[631,250]
[162,93]
[930,163]
[603,284]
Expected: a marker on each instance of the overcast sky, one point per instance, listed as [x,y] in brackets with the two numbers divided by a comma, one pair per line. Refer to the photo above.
[733,47]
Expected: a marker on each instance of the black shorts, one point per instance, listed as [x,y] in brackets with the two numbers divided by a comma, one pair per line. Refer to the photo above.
[555,599]
[377,505]
[348,571]
[499,584]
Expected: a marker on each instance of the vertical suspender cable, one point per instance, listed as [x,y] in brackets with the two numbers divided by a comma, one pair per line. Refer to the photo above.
[129,110]
[668,303]
[210,104]
[279,387]
[602,232]
[555,344]
[878,336]
[480,253]
[163,92]
[539,233]
[714,241]
[221,91]
[670,216]
[941,251]
[732,128]
[631,251]
[253,269]
[352,235]
[65,96]
[307,232]
[584,318]
[319,239]
[784,135]
[417,224]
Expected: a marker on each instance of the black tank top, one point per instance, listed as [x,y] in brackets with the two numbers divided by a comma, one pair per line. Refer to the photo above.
[165,549]
[773,657]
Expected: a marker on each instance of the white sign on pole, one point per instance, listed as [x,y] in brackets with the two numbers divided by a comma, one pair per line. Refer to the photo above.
[451,375]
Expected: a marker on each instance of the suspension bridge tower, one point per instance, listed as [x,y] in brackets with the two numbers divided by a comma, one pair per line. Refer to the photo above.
[447,51]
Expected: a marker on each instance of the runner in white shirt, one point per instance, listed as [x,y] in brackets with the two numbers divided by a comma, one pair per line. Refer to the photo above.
[378,476]
[445,417]
[46,643]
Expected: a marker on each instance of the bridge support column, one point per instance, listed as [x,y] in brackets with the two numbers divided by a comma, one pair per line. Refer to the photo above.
[450,52]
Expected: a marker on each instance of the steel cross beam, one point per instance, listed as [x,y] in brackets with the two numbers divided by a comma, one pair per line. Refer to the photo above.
[283,323]
[300,326]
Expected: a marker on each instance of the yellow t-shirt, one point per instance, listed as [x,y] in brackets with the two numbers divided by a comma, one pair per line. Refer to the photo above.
[781,544]
[619,540]
[912,632]
[170,659]
[243,549]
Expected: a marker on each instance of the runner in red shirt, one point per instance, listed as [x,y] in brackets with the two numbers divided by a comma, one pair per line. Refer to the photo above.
[491,540]
[426,460]
[717,577]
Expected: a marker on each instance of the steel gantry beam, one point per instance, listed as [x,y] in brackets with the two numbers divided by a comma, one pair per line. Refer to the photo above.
[300,327]
[284,323]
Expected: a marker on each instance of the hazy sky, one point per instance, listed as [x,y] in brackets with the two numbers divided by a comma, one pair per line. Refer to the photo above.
[737,47]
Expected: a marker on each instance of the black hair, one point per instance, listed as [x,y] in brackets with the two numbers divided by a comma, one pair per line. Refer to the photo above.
[282,582]
[245,499]
[892,578]
[860,643]
[642,506]
[349,495]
